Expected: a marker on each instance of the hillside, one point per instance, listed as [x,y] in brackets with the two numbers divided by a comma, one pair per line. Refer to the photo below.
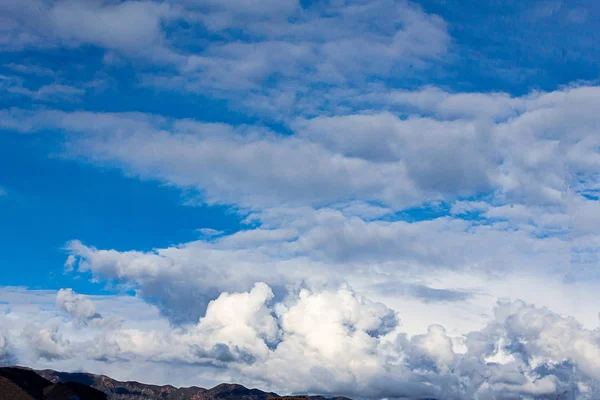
[17,383]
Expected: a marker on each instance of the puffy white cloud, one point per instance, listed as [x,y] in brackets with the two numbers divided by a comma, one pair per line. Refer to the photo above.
[537,335]
[80,308]
[242,320]
[47,343]
[391,258]
[436,346]
[331,341]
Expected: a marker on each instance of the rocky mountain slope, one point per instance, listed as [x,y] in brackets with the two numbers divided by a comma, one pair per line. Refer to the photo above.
[18,383]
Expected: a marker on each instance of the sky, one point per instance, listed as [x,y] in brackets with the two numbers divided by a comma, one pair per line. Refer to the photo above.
[380,199]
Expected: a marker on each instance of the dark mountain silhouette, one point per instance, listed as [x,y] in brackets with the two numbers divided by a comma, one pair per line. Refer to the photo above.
[18,383]
[25,384]
[10,390]
[72,391]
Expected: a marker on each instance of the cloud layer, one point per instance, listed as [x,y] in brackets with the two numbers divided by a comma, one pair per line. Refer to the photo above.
[515,191]
[399,238]
[328,341]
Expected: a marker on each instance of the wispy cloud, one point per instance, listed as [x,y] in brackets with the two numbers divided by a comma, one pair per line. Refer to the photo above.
[49,92]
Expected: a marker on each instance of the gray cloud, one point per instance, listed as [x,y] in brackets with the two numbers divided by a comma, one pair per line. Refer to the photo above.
[422,292]
[6,355]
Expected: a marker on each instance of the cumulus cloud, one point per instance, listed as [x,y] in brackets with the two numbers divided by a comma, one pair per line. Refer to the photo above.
[47,343]
[318,247]
[6,356]
[335,341]
[80,308]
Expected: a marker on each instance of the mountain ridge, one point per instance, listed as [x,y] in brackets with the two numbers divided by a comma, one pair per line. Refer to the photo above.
[23,383]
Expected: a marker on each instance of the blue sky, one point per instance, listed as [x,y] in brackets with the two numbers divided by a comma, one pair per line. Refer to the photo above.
[50,200]
[303,181]
[54,199]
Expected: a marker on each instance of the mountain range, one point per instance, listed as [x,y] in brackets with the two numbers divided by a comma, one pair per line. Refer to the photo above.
[19,383]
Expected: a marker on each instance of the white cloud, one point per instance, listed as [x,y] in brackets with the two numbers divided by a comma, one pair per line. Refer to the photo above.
[331,292]
[48,92]
[130,27]
[288,50]
[431,100]
[30,69]
[266,168]
[395,260]
[326,200]
[534,158]
[47,343]
[327,341]
[209,232]
[282,40]
[77,306]
[240,319]
[224,14]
